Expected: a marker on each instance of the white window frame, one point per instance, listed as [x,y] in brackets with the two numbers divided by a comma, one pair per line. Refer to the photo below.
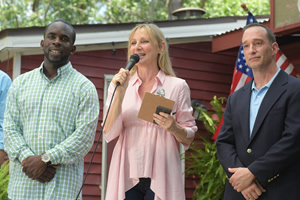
[107,80]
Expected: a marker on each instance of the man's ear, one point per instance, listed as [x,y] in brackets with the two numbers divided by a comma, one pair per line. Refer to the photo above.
[275,48]
[73,50]
[42,44]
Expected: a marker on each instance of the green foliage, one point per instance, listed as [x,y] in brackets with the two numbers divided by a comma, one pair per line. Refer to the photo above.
[221,8]
[202,158]
[26,13]
[4,178]
[135,10]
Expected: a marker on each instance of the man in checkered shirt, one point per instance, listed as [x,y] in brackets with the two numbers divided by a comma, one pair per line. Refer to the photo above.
[50,122]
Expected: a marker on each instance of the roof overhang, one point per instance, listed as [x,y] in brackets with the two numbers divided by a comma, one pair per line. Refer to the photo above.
[102,36]
[230,39]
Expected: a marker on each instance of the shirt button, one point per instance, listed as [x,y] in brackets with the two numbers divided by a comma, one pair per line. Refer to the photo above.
[249,150]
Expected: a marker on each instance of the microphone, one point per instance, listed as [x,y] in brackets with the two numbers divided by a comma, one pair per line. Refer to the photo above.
[134,58]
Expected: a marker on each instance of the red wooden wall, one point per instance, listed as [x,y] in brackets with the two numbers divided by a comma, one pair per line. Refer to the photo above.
[7,67]
[206,73]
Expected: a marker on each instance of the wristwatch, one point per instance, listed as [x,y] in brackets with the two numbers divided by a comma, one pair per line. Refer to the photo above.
[46,159]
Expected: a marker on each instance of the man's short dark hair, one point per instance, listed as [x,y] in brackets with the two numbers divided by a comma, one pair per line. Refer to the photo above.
[270,34]
[65,22]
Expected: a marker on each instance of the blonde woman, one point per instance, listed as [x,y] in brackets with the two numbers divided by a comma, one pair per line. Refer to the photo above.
[146,159]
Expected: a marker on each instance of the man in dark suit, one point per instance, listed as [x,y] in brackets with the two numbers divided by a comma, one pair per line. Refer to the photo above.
[259,143]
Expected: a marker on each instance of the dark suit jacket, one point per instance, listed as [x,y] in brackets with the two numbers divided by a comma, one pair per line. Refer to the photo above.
[272,153]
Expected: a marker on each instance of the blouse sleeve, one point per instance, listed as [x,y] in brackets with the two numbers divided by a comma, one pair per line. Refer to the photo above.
[184,112]
[117,127]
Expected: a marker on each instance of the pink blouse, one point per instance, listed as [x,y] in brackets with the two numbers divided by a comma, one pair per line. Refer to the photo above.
[145,149]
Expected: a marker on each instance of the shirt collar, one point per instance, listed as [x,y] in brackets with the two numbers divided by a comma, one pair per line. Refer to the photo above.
[160,77]
[63,70]
[268,84]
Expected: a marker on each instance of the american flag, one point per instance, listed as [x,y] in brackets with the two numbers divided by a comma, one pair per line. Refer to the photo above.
[243,74]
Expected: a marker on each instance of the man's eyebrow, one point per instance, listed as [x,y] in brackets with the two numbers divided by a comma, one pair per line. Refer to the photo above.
[255,39]
[50,33]
[63,35]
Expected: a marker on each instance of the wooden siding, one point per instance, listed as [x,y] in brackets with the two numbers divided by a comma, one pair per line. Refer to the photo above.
[7,67]
[206,73]
[291,51]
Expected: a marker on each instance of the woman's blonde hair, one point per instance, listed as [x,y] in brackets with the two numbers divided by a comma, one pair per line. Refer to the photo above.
[155,34]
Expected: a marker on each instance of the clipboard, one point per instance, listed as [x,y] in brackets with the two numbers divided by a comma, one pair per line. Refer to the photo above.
[150,103]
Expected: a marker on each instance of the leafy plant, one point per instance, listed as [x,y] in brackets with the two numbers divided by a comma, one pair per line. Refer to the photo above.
[4,178]
[202,158]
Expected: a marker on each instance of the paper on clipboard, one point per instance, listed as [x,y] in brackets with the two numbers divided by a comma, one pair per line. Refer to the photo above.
[150,103]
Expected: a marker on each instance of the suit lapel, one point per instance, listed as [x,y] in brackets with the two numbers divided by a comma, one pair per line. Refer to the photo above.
[276,89]
[245,106]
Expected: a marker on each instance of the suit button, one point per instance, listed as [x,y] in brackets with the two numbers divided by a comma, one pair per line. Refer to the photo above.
[249,150]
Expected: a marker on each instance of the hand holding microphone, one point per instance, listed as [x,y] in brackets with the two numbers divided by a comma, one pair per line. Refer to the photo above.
[123,73]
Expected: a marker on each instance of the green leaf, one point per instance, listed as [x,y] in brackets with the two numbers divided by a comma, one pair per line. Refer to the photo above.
[4,179]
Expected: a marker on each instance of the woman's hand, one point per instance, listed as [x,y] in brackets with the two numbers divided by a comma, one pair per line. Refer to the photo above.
[169,123]
[165,120]
[122,77]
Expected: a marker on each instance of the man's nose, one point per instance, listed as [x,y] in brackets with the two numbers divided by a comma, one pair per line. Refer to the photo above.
[57,41]
[252,48]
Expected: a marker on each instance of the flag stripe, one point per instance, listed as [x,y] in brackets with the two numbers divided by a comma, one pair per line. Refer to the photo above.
[237,75]
[282,63]
[294,73]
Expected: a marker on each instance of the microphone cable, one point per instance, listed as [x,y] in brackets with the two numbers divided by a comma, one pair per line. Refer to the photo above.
[112,97]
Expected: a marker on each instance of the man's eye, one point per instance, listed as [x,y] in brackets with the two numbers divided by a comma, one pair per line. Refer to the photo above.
[65,39]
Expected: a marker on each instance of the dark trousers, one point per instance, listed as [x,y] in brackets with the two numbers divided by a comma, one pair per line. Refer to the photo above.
[140,191]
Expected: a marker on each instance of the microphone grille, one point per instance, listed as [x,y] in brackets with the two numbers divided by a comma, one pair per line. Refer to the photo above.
[135,57]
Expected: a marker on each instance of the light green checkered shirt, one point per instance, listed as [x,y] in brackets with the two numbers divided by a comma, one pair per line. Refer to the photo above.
[57,116]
